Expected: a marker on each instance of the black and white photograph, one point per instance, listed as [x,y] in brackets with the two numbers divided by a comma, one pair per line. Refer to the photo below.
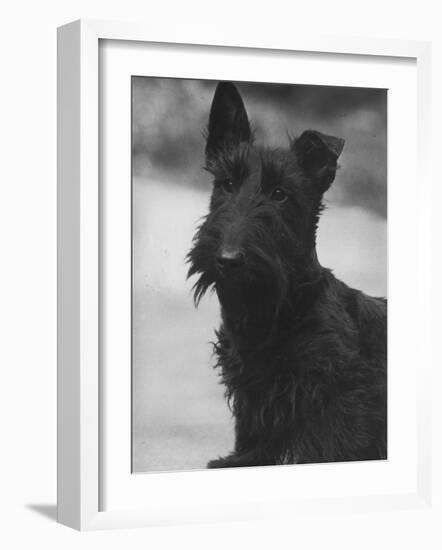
[259,274]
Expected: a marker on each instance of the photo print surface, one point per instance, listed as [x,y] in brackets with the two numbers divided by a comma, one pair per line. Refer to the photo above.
[259,239]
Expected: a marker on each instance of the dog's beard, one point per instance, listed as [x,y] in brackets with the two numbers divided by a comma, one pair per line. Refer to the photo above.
[203,269]
[205,282]
[256,291]
[254,298]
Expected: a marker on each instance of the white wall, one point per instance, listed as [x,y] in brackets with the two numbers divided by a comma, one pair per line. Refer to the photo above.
[27,300]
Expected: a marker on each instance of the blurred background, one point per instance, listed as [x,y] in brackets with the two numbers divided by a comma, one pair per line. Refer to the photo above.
[180,419]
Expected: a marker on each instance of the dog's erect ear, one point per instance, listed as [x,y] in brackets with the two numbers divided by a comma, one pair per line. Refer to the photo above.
[317,155]
[228,122]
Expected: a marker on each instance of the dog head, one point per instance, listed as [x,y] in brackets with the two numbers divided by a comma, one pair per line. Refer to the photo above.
[259,235]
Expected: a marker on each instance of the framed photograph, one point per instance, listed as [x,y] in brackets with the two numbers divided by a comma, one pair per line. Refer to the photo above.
[235,255]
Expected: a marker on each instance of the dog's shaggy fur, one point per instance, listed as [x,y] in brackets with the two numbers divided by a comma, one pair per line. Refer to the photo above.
[302,355]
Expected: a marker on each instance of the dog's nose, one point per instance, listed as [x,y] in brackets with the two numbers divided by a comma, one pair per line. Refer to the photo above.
[229,260]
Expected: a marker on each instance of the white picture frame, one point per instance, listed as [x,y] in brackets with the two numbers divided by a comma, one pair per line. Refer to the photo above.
[81,472]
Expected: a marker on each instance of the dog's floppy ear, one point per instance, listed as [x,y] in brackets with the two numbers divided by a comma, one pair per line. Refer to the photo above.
[317,155]
[228,122]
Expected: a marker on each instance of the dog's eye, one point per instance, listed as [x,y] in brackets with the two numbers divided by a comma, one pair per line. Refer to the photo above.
[227,185]
[278,195]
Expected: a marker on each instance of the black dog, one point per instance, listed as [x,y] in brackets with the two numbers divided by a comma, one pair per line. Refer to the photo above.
[302,355]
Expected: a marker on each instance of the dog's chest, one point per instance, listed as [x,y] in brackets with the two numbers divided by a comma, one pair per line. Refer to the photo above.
[262,380]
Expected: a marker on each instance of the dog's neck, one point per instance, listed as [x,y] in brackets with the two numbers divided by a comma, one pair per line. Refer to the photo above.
[254,320]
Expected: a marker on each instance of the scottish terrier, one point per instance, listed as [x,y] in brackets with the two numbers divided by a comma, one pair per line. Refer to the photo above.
[301,354]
